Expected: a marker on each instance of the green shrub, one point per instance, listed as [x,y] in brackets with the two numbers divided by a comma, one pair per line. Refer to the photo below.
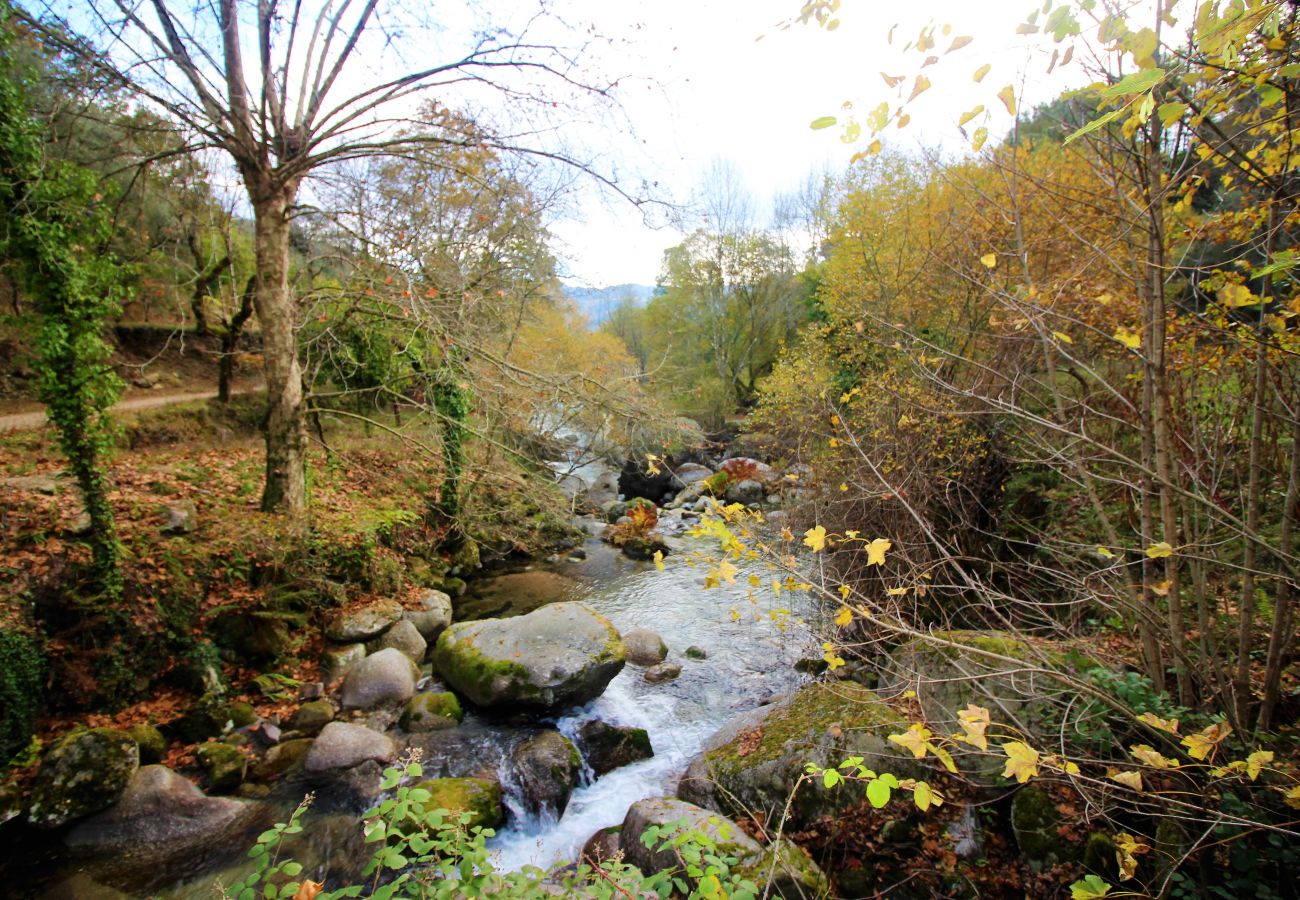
[22,667]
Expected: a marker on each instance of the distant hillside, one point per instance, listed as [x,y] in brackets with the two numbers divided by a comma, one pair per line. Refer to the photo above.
[597,303]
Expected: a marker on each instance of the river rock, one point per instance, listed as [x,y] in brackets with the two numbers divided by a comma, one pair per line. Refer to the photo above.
[613,510]
[689,473]
[696,652]
[387,677]
[433,616]
[665,671]
[748,492]
[644,647]
[342,745]
[311,717]
[160,814]
[480,797]
[335,662]
[153,746]
[608,747]
[644,547]
[754,761]
[282,759]
[601,847]
[82,774]
[730,840]
[553,657]
[403,636]
[431,711]
[225,766]
[548,767]
[362,623]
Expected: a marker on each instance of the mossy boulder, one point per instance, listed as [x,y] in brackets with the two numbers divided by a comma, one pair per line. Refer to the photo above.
[433,615]
[785,871]
[601,847]
[480,797]
[81,774]
[1023,690]
[363,623]
[431,711]
[548,768]
[311,717]
[1035,821]
[224,765]
[609,747]
[727,837]
[644,647]
[753,763]
[335,662]
[454,587]
[560,655]
[283,758]
[152,744]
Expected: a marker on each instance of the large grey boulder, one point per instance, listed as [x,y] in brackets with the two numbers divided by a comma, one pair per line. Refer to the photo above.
[81,774]
[387,677]
[689,473]
[362,623]
[644,647]
[403,636]
[336,661]
[342,745]
[160,813]
[755,760]
[553,657]
[433,616]
[549,768]
[748,492]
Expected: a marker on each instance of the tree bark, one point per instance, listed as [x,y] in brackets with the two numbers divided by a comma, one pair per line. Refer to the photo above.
[286,432]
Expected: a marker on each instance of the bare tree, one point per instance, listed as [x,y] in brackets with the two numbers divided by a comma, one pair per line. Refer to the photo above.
[285,89]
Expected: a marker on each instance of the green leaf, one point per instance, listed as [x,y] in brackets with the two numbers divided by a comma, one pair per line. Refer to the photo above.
[1098,123]
[823,122]
[878,793]
[1089,888]
[1171,112]
[830,778]
[1137,83]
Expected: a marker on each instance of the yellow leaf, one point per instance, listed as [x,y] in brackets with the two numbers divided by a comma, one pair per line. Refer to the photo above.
[924,796]
[1128,778]
[651,464]
[876,551]
[786,534]
[659,560]
[1167,725]
[845,590]
[990,260]
[1022,761]
[1105,553]
[815,539]
[1160,550]
[727,572]
[754,581]
[974,720]
[1062,337]
[958,43]
[1256,762]
[1237,295]
[1008,97]
[1149,756]
[874,147]
[835,420]
[735,614]
[967,116]
[1129,338]
[844,617]
[896,591]
[1127,849]
[1292,797]
[919,87]
[833,660]
[981,72]
[916,739]
[1202,744]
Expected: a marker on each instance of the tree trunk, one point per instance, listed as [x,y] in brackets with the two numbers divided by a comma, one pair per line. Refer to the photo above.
[286,432]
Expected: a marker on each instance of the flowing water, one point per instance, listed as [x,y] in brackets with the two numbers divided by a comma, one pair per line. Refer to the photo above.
[751,648]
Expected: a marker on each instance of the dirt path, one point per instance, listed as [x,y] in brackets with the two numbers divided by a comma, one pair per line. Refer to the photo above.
[32,420]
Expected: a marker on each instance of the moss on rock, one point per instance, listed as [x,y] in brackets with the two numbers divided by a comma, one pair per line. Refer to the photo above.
[480,797]
[431,711]
[150,741]
[81,774]
[225,766]
[1034,821]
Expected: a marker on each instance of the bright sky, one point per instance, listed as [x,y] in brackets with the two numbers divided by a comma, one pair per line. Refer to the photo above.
[714,92]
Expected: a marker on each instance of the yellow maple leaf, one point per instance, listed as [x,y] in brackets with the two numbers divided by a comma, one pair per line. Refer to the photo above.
[1127,849]
[1128,337]
[727,572]
[659,560]
[786,534]
[916,739]
[876,551]
[974,721]
[1160,550]
[1149,756]
[1256,762]
[844,617]
[1022,761]
[990,260]
[833,660]
[651,464]
[1128,778]
[815,539]
[1202,744]
[1168,725]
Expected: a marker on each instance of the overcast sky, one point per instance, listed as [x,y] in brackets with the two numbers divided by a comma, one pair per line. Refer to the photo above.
[711,90]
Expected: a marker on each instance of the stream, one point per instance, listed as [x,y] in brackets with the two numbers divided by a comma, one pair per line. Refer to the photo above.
[750,660]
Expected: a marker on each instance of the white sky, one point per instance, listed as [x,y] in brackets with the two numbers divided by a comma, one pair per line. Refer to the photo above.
[717,93]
